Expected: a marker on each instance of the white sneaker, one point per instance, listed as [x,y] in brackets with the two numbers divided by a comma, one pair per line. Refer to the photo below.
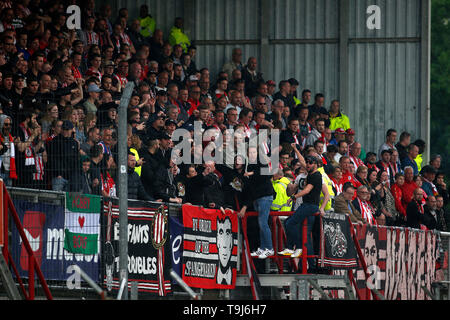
[256,253]
[297,253]
[286,252]
[266,253]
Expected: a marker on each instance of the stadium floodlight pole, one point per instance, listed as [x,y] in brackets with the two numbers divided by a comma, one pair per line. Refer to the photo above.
[123,185]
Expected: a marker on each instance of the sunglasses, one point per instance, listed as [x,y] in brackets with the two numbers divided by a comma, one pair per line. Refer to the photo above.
[310,162]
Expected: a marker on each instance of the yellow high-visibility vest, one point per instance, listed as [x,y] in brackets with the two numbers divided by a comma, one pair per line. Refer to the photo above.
[419,161]
[329,184]
[280,203]
[136,154]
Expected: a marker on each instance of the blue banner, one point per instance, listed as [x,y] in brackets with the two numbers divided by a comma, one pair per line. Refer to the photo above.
[176,240]
[44,227]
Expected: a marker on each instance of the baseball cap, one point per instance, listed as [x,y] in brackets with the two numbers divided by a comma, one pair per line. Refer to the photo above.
[170,121]
[339,130]
[109,63]
[312,159]
[188,126]
[271,83]
[67,125]
[94,88]
[350,131]
[428,169]
[161,93]
[193,78]
[164,136]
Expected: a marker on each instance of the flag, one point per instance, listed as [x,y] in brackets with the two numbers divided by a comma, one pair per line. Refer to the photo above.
[82,223]
[337,249]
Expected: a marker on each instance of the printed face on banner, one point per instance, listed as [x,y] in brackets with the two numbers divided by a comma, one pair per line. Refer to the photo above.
[224,247]
[370,250]
[209,248]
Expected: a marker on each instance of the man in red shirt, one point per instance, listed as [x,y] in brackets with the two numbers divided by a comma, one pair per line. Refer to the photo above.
[347,175]
[194,99]
[408,186]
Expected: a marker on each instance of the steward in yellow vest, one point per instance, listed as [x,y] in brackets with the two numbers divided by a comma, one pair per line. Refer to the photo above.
[280,185]
[177,36]
[326,180]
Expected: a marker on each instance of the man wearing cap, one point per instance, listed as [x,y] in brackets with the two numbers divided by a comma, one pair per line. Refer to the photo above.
[93,97]
[337,118]
[310,194]
[271,87]
[339,134]
[107,115]
[170,126]
[136,189]
[155,125]
[161,101]
[350,138]
[63,158]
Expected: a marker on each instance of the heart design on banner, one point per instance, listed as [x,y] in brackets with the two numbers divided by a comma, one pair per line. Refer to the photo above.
[81,221]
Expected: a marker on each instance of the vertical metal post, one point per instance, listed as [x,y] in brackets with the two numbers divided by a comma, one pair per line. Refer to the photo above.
[448,273]
[343,54]
[123,185]
[425,66]
[265,15]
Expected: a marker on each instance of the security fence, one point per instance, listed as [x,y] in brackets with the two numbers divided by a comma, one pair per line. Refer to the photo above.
[177,251]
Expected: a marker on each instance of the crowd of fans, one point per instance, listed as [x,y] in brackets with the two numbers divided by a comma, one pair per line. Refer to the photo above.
[61,89]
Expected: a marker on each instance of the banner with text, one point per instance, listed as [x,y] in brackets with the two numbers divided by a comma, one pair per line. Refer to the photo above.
[44,228]
[210,248]
[149,248]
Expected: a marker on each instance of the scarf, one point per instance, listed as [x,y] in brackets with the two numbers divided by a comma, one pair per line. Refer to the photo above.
[356,161]
[367,212]
[12,157]
[29,153]
[108,185]
[336,186]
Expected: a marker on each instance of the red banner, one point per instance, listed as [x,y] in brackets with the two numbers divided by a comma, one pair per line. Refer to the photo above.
[210,248]
[400,262]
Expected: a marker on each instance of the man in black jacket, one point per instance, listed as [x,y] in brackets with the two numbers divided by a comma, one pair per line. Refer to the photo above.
[63,158]
[416,217]
[135,188]
[251,77]
[152,164]
[165,184]
[214,197]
